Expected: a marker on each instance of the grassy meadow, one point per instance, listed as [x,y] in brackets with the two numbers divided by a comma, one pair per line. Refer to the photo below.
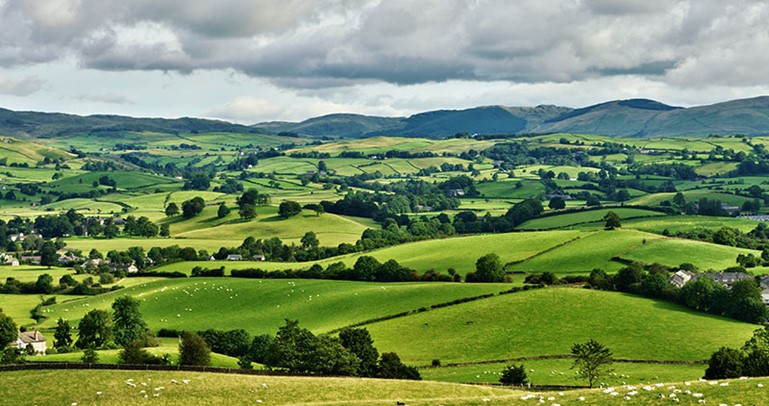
[525,324]
[260,306]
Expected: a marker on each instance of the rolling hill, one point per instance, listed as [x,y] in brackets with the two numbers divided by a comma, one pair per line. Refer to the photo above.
[628,118]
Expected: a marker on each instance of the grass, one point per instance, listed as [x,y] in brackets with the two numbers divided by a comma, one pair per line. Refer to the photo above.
[549,321]
[570,219]
[215,389]
[688,223]
[672,251]
[330,229]
[559,372]
[459,253]
[260,306]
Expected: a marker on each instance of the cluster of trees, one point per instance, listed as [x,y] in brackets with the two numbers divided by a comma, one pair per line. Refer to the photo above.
[750,360]
[756,239]
[298,350]
[67,285]
[248,201]
[742,302]
[123,328]
[366,268]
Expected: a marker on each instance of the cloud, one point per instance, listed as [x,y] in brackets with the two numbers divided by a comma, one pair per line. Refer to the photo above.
[105,98]
[306,44]
[21,87]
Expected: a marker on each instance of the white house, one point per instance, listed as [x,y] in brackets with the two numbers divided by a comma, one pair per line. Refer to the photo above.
[681,278]
[34,338]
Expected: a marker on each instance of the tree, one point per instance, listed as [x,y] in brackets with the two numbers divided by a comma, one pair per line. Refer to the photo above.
[557,203]
[247,211]
[133,353]
[223,211]
[391,367]
[289,208]
[612,221]
[90,356]
[724,363]
[172,209]
[488,268]
[309,240]
[63,334]
[358,341]
[128,322]
[756,350]
[592,360]
[94,329]
[514,376]
[48,255]
[190,208]
[193,350]
[592,201]
[198,181]
[8,330]
[165,230]
[44,284]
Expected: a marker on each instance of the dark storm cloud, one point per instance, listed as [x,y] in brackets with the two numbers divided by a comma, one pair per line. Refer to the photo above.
[330,43]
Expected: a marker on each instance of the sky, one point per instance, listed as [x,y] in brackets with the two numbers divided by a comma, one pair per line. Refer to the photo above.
[249,61]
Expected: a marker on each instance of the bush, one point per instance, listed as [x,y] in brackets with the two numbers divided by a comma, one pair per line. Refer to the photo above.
[514,376]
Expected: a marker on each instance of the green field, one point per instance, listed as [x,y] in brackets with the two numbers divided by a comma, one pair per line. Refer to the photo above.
[459,253]
[260,306]
[110,388]
[559,372]
[525,324]
[570,219]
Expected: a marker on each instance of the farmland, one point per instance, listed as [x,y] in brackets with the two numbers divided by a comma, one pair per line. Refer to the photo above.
[436,206]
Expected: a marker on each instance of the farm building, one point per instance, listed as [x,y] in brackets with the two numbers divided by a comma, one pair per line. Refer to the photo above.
[34,338]
[234,257]
[259,257]
[681,278]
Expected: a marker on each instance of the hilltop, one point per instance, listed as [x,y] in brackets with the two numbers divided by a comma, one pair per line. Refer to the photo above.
[617,118]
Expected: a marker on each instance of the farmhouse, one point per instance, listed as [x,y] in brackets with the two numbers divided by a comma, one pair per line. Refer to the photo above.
[681,278]
[727,278]
[33,338]
[132,269]
[234,257]
[259,257]
[455,193]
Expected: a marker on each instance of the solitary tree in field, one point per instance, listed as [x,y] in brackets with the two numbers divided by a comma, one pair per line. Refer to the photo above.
[247,211]
[193,350]
[612,221]
[127,319]
[488,268]
[592,360]
[514,376]
[223,211]
[557,203]
[289,208]
[172,209]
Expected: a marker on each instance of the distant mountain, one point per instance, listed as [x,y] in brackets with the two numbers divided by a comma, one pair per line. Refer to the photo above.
[431,124]
[643,118]
[626,118]
[46,125]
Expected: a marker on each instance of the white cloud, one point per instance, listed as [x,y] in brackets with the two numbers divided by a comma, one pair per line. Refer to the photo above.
[21,87]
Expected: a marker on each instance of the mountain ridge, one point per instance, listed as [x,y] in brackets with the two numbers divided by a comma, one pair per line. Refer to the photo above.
[620,118]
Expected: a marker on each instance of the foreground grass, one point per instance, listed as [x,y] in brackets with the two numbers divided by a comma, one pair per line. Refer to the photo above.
[169,388]
[110,388]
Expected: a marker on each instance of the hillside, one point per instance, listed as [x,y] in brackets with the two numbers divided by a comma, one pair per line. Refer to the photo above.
[37,124]
[628,118]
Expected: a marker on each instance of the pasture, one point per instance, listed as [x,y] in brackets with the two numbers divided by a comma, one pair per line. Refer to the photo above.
[570,219]
[525,324]
[260,306]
